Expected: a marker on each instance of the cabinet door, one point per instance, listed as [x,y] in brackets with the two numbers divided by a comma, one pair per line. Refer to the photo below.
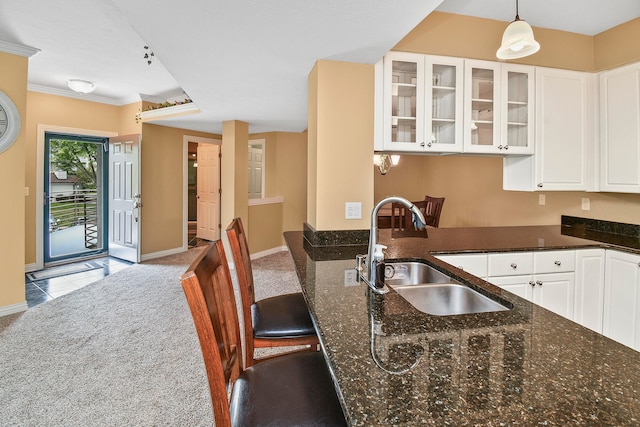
[589,297]
[555,292]
[444,104]
[481,115]
[517,109]
[622,298]
[522,286]
[564,142]
[620,129]
[403,103]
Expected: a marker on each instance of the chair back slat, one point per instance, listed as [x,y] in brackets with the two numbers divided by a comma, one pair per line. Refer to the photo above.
[242,259]
[209,291]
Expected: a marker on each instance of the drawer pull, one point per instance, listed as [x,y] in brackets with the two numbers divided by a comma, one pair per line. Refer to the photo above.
[539,283]
[558,263]
[514,265]
[532,283]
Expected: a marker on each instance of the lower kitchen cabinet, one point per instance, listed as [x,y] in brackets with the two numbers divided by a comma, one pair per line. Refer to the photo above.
[553,291]
[589,302]
[622,298]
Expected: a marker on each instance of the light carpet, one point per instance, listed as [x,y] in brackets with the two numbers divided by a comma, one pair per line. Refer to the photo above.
[121,351]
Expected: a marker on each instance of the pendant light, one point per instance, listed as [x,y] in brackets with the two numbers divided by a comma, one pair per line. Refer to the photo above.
[517,40]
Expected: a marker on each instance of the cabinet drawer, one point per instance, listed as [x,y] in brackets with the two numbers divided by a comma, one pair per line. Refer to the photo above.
[510,264]
[475,264]
[554,261]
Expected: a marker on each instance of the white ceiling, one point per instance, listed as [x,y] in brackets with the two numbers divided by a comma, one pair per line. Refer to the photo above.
[241,59]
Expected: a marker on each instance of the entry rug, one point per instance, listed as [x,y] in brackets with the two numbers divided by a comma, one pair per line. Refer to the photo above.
[62,270]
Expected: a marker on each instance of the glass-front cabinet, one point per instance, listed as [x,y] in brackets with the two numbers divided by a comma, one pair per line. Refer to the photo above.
[482,115]
[422,103]
[517,130]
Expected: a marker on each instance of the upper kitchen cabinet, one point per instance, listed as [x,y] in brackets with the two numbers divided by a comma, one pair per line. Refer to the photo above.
[564,135]
[620,129]
[482,116]
[422,103]
[517,106]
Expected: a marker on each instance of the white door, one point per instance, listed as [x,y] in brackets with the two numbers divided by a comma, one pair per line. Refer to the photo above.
[124,197]
[255,173]
[208,193]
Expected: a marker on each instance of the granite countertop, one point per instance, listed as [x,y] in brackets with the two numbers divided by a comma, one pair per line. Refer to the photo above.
[395,365]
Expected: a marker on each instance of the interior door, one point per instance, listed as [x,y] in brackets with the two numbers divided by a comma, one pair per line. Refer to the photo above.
[255,172]
[208,192]
[124,197]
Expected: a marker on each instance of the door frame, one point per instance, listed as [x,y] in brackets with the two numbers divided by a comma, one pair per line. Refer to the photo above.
[39,190]
[186,139]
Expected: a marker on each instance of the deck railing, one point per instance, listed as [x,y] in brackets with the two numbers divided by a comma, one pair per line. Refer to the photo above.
[79,207]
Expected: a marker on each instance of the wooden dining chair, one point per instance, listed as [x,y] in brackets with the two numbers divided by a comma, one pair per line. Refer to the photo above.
[279,321]
[432,210]
[290,390]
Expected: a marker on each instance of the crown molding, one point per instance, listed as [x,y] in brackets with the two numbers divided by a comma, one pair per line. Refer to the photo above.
[18,49]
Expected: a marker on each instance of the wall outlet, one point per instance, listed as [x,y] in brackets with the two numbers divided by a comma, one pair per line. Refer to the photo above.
[351,277]
[586,204]
[353,210]
[542,199]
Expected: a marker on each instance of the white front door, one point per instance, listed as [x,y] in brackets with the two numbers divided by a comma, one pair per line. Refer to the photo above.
[208,191]
[124,197]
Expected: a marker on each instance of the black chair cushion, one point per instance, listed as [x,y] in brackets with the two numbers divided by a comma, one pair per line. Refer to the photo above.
[282,316]
[291,390]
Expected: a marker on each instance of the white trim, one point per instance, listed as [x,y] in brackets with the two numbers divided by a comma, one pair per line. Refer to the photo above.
[39,193]
[186,139]
[164,112]
[159,254]
[18,49]
[268,252]
[13,308]
[266,201]
[28,268]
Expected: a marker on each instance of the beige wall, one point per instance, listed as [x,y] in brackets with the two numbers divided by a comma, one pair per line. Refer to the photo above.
[473,185]
[13,82]
[340,144]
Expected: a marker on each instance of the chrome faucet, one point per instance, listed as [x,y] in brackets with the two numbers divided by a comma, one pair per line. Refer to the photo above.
[372,263]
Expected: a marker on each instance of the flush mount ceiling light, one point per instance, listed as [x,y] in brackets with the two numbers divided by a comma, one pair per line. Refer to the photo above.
[82,86]
[517,40]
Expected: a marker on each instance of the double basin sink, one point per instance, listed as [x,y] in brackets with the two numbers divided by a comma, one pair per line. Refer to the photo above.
[436,293]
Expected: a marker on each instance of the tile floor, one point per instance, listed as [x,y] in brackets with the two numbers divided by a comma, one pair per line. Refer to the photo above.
[50,283]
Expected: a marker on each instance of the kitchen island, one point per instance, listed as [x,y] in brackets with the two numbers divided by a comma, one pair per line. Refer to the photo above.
[395,365]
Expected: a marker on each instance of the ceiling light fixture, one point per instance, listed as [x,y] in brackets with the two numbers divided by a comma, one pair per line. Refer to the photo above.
[517,40]
[82,86]
[384,162]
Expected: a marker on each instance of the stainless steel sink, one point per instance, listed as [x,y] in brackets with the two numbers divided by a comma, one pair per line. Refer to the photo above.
[435,293]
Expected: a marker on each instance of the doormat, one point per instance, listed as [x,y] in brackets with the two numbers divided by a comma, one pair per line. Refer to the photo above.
[62,270]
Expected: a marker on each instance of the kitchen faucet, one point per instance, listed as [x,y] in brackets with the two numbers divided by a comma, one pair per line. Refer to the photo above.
[372,260]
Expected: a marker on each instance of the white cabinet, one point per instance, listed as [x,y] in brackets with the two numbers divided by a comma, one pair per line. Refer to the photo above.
[565,118]
[517,84]
[475,264]
[622,298]
[545,278]
[422,103]
[620,129]
[589,301]
[481,113]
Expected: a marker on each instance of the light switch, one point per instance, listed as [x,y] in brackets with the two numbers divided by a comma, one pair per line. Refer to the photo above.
[586,204]
[542,199]
[353,210]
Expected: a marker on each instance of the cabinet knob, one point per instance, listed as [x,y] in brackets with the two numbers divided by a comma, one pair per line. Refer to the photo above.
[539,185]
[514,265]
[499,147]
[532,283]
[428,144]
[558,263]
[422,144]
[506,147]
[539,283]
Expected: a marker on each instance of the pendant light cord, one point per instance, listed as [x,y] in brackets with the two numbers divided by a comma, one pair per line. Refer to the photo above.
[517,14]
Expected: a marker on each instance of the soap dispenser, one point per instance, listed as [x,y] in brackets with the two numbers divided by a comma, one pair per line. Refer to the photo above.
[378,257]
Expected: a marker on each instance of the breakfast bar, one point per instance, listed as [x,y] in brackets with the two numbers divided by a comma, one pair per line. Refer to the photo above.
[395,365]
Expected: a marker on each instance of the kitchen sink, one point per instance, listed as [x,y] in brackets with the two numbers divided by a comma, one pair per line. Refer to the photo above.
[434,292]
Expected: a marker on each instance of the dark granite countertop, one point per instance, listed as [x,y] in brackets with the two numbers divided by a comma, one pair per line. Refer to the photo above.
[526,366]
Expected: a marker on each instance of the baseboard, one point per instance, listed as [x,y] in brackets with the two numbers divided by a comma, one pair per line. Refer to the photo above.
[268,252]
[159,254]
[13,308]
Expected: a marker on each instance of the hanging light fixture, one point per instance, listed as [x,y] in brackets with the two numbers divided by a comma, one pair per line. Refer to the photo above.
[517,40]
